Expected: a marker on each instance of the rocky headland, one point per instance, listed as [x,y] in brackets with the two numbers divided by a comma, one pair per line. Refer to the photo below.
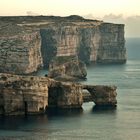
[67,68]
[34,94]
[29,43]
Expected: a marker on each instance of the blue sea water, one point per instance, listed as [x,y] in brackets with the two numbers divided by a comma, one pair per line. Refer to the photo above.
[122,123]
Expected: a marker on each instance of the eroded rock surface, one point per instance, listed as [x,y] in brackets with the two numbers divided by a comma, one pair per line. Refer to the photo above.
[66,95]
[103,95]
[20,52]
[30,94]
[92,41]
[67,68]
[23,94]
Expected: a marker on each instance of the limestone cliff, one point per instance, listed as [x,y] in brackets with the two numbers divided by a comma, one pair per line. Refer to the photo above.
[67,68]
[32,94]
[23,94]
[66,95]
[111,46]
[91,41]
[28,42]
[20,52]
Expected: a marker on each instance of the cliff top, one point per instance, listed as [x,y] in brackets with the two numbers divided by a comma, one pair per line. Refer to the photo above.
[15,25]
[19,19]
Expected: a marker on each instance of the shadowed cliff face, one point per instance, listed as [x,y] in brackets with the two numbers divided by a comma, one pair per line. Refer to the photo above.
[112,42]
[84,49]
[58,40]
[48,45]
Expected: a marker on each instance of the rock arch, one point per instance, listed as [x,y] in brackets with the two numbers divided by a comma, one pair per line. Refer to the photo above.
[102,95]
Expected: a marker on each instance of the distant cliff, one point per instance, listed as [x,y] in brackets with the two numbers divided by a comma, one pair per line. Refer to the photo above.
[90,41]
[23,50]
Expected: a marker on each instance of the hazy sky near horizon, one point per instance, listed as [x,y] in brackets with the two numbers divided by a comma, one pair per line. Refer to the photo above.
[97,8]
[117,11]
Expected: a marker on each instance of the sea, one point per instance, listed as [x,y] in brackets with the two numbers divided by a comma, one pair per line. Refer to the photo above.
[89,123]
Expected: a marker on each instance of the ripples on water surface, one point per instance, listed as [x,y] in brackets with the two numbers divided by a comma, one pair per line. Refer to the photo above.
[122,123]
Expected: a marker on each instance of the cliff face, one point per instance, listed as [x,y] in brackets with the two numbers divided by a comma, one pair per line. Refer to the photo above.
[66,95]
[111,44]
[23,94]
[21,53]
[58,41]
[91,42]
[67,68]
[32,94]
[27,41]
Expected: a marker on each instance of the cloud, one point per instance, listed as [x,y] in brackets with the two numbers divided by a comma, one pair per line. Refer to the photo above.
[112,16]
[31,13]
[132,23]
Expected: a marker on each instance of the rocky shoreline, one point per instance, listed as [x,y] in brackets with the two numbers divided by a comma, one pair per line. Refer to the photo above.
[33,94]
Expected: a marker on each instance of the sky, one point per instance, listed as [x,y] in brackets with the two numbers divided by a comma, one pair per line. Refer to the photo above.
[118,11]
[68,7]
